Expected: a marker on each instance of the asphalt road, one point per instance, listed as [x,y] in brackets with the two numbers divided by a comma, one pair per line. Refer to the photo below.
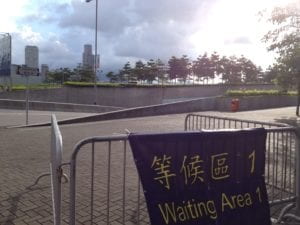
[24,154]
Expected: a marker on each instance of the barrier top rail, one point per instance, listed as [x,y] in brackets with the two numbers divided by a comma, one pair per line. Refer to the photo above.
[121,137]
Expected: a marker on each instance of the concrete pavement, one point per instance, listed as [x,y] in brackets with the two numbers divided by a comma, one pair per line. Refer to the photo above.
[9,117]
[24,154]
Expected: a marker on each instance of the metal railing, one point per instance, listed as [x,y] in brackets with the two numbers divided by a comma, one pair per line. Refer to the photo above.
[120,199]
[197,122]
[105,186]
[112,189]
[282,158]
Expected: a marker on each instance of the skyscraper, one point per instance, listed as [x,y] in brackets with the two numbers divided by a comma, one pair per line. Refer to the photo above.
[44,71]
[88,57]
[32,56]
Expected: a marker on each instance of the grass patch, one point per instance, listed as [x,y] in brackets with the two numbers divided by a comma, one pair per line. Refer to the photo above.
[22,87]
[91,84]
[255,92]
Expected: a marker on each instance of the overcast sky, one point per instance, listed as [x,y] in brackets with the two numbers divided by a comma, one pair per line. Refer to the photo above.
[130,30]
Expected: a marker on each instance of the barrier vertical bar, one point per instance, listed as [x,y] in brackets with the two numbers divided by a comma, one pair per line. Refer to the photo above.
[290,162]
[268,156]
[124,181]
[72,189]
[297,173]
[55,170]
[108,182]
[92,182]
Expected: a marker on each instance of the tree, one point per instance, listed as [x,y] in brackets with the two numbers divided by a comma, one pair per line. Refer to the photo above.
[215,63]
[184,68]
[173,68]
[161,71]
[230,70]
[112,77]
[204,68]
[139,70]
[60,75]
[151,71]
[179,68]
[270,74]
[125,73]
[250,72]
[86,74]
[285,41]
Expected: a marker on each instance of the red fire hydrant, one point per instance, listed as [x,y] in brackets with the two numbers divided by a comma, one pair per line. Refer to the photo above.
[235,104]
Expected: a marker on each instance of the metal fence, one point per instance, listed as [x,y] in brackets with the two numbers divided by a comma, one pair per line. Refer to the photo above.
[197,122]
[282,160]
[105,187]
[112,189]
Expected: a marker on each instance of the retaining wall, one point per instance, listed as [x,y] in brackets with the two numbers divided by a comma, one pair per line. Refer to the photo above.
[54,106]
[125,96]
[202,104]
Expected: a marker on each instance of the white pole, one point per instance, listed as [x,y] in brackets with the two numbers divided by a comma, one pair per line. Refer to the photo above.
[27,98]
[95,58]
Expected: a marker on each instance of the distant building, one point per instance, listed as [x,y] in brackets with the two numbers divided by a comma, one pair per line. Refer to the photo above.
[32,56]
[88,57]
[44,71]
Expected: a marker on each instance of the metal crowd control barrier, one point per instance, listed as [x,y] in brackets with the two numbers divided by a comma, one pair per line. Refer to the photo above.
[282,171]
[56,172]
[55,169]
[105,187]
[196,122]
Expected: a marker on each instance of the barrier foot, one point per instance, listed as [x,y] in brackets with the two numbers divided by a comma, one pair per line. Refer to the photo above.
[66,179]
[38,179]
[284,213]
[291,216]
[65,176]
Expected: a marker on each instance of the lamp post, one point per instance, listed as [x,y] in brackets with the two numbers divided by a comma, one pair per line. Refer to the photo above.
[95,58]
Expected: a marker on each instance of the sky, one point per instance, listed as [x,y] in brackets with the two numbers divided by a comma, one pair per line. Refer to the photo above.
[131,30]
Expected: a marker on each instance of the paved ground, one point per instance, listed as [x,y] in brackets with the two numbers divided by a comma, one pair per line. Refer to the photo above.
[18,117]
[24,154]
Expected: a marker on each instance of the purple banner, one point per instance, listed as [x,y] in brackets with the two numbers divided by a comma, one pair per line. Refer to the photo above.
[211,177]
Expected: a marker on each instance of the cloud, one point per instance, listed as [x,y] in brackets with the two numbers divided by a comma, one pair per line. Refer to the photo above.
[113,16]
[154,11]
[129,30]
[239,40]
[52,50]
[146,41]
[45,13]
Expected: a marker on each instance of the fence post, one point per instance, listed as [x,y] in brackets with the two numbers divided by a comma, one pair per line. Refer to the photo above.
[55,170]
[297,172]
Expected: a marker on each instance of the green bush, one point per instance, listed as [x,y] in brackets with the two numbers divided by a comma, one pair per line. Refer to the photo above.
[21,87]
[258,92]
[91,84]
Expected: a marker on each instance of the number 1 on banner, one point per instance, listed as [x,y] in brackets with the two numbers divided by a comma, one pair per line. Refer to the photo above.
[258,193]
[252,158]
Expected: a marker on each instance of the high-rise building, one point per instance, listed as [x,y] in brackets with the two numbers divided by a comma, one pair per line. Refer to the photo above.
[88,57]
[32,56]
[44,71]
